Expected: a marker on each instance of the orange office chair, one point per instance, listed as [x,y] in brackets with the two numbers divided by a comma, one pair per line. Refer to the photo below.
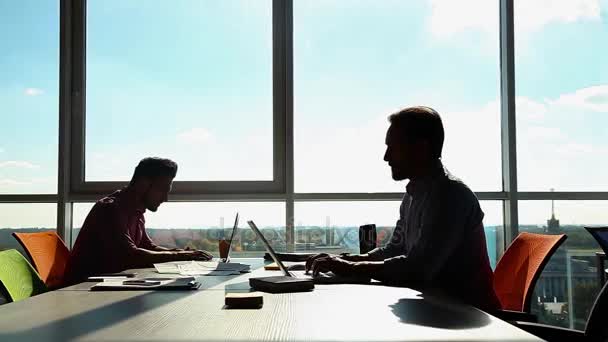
[49,255]
[520,267]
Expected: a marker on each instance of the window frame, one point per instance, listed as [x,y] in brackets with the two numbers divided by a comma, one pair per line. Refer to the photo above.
[78,183]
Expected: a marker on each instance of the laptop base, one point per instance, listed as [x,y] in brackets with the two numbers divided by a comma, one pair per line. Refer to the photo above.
[281,284]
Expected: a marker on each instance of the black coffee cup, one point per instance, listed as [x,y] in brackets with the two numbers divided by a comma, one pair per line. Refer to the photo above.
[367,238]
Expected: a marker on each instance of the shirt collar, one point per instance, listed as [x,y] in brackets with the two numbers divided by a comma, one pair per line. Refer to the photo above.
[421,185]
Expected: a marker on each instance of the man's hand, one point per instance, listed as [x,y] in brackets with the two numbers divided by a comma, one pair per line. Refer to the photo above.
[312,259]
[194,255]
[354,257]
[332,263]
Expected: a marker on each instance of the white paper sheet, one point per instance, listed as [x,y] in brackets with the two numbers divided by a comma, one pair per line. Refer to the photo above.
[208,268]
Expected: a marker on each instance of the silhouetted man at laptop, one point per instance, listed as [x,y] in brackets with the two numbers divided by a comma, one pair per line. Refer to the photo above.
[113,237]
[439,241]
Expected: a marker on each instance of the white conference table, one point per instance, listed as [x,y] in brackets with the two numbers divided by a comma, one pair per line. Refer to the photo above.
[329,313]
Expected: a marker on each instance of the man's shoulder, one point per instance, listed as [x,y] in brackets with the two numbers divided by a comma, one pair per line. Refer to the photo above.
[454,187]
[461,200]
[108,203]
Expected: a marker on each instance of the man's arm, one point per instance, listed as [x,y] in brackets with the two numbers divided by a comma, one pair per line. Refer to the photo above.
[394,247]
[375,255]
[146,258]
[133,256]
[147,243]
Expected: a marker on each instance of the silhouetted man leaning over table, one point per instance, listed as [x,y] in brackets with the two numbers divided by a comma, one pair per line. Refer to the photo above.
[439,241]
[113,237]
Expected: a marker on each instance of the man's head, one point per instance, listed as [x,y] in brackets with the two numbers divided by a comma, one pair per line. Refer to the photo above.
[414,141]
[152,180]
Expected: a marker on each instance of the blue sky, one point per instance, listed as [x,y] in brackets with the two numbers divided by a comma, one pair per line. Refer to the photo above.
[202,70]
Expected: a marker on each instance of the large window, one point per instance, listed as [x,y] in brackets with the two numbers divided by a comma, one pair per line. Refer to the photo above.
[562,95]
[29,96]
[356,62]
[187,80]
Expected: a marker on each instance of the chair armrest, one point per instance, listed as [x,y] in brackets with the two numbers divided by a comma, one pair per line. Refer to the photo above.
[551,333]
[509,315]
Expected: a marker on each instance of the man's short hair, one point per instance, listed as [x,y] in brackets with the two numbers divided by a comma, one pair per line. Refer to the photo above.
[153,167]
[418,123]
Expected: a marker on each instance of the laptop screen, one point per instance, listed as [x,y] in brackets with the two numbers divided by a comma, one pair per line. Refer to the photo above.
[234,229]
[268,248]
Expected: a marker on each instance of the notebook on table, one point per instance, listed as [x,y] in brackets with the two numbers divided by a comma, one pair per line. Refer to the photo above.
[182,283]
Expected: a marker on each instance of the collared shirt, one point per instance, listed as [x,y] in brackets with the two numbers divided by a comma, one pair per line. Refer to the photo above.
[439,241]
[113,230]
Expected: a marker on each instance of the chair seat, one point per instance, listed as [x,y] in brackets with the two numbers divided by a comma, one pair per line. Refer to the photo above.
[18,278]
[48,253]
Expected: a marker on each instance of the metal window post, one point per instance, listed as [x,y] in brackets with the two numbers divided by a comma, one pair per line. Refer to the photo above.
[69,19]
[508,121]
[282,38]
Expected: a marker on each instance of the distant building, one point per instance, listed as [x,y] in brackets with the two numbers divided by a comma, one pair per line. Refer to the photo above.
[555,308]
[552,223]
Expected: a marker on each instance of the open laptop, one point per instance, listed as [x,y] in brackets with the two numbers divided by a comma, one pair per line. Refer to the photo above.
[321,278]
[234,229]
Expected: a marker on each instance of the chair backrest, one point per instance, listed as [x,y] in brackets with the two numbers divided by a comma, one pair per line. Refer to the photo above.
[18,278]
[600,234]
[520,266]
[596,327]
[48,253]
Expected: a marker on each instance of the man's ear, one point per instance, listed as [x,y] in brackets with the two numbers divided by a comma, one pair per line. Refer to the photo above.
[423,148]
[143,183]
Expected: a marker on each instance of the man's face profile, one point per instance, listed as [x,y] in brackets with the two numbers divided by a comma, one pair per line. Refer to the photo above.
[402,156]
[158,192]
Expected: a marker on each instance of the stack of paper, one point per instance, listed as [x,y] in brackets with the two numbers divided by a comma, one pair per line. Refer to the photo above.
[207,268]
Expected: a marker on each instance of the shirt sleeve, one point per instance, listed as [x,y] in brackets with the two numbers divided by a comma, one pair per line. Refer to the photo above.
[396,245]
[146,241]
[442,232]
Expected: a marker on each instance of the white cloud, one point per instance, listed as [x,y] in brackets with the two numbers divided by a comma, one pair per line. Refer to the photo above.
[12,182]
[560,147]
[473,154]
[574,149]
[530,110]
[592,99]
[542,133]
[532,16]
[18,164]
[200,156]
[449,17]
[197,135]
[33,91]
